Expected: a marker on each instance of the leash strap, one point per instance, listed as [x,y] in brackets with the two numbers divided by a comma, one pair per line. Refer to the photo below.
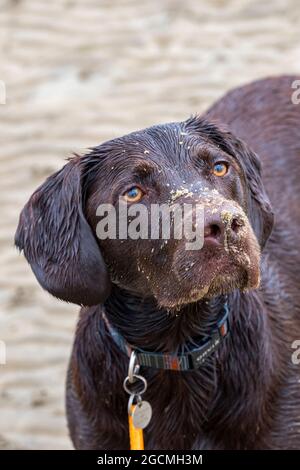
[136,435]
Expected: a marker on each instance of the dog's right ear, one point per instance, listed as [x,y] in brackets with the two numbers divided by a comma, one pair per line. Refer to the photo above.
[58,242]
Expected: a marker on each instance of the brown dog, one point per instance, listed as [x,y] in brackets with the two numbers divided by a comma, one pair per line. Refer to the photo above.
[168,303]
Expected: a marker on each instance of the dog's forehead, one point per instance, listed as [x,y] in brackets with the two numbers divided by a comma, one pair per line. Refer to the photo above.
[166,145]
[163,139]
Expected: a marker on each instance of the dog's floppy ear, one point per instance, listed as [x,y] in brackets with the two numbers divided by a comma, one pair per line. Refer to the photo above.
[259,207]
[58,242]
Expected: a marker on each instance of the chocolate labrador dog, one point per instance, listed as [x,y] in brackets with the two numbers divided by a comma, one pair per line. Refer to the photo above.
[209,331]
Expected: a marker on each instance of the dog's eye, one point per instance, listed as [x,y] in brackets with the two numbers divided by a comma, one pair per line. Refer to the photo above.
[133,194]
[220,169]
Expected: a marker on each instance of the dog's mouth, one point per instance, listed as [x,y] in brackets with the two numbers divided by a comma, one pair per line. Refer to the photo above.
[176,276]
[214,270]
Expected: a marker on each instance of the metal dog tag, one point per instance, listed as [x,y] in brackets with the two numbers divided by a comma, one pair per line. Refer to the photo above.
[141,414]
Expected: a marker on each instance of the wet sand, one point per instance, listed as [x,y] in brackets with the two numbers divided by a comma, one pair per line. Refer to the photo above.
[77,74]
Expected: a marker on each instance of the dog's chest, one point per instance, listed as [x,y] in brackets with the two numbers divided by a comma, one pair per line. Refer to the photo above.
[181,403]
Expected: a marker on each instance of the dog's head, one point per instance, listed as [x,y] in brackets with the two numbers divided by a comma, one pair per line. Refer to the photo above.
[189,164]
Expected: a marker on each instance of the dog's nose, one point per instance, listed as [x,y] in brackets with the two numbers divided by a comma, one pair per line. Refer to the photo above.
[224,224]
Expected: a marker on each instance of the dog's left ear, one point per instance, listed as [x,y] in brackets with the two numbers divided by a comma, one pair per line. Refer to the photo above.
[58,242]
[260,210]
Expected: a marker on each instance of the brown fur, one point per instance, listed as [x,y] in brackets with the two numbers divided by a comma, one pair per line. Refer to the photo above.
[246,395]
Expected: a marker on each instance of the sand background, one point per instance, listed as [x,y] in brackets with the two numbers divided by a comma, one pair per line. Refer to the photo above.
[78,73]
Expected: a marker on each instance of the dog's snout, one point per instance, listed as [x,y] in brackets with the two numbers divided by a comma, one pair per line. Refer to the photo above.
[213,229]
[237,223]
[222,225]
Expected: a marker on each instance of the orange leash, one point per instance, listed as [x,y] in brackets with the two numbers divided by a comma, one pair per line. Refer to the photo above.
[139,414]
[136,435]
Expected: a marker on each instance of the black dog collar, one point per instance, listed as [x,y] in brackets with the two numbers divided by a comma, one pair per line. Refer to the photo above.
[190,360]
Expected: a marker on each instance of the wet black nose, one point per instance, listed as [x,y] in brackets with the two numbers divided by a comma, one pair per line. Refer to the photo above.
[220,225]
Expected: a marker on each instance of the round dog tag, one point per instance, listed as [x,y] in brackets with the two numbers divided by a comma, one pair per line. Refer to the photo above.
[141,414]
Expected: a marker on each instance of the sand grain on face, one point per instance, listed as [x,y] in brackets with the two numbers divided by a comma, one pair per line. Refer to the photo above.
[77,74]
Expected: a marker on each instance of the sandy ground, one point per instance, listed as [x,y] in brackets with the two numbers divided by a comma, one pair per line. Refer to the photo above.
[77,73]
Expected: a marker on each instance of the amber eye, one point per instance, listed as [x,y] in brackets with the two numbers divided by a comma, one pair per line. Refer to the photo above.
[220,169]
[133,194]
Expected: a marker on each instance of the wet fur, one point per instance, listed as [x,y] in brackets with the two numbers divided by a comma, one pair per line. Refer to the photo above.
[247,395]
